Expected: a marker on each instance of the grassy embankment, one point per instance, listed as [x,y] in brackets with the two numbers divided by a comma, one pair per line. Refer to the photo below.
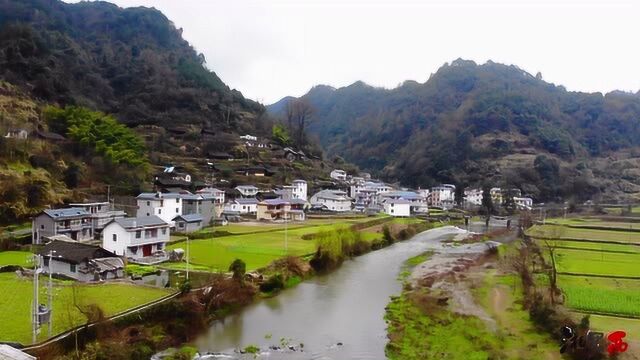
[421,328]
[17,294]
[596,276]
[258,246]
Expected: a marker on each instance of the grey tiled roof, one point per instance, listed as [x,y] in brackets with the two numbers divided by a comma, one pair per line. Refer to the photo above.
[189,217]
[66,213]
[154,196]
[136,222]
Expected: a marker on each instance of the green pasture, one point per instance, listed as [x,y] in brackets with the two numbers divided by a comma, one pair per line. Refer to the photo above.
[597,263]
[16,298]
[564,232]
[602,295]
[20,258]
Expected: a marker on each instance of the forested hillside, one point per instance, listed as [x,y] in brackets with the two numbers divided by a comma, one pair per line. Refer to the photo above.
[471,124]
[132,63]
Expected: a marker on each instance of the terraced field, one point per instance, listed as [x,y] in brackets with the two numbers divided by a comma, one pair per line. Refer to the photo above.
[596,276]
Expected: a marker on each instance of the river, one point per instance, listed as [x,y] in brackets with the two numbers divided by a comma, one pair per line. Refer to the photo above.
[335,316]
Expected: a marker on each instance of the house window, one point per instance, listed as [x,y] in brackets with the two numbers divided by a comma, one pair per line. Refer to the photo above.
[177,210]
[148,203]
[159,246]
[164,231]
[159,211]
[115,237]
[198,223]
[138,234]
[72,267]
[133,250]
[181,225]
[46,261]
[41,226]
[147,214]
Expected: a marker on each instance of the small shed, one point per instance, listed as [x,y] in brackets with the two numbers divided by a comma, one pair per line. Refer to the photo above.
[188,223]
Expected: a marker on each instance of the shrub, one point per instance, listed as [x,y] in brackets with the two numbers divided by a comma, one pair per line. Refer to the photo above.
[274,283]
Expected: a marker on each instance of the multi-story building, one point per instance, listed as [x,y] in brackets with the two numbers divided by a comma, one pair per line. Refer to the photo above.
[101,214]
[279,209]
[164,205]
[442,196]
[300,189]
[472,197]
[338,174]
[75,222]
[137,238]
[332,200]
[242,206]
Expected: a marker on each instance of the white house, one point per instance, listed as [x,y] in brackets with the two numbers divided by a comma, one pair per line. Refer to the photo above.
[247,191]
[164,205]
[300,189]
[137,238]
[442,196]
[523,202]
[82,262]
[473,197]
[496,195]
[338,174]
[242,206]
[332,200]
[418,204]
[397,207]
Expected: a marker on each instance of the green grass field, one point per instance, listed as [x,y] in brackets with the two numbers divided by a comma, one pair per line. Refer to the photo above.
[609,324]
[593,246]
[16,294]
[597,262]
[20,258]
[613,296]
[563,232]
[259,248]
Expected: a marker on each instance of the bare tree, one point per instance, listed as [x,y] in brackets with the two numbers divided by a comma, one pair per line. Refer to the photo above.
[551,245]
[299,111]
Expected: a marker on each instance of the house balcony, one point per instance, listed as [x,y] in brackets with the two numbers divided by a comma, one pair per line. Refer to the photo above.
[61,228]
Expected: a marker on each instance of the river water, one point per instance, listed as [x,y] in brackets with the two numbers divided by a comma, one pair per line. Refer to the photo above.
[335,316]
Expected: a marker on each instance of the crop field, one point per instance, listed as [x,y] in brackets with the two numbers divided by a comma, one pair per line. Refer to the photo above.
[563,232]
[16,294]
[598,263]
[594,287]
[601,295]
[259,249]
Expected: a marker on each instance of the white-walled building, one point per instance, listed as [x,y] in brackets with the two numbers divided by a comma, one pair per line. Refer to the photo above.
[418,204]
[248,191]
[82,262]
[442,196]
[338,174]
[242,206]
[166,206]
[523,202]
[332,200]
[300,189]
[136,238]
[473,197]
[397,207]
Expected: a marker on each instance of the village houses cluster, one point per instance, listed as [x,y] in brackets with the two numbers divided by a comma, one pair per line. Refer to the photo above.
[87,241]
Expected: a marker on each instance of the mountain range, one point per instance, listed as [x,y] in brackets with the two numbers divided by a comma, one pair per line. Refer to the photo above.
[484,124]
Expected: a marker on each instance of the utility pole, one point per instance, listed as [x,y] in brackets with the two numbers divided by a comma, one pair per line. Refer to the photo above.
[109,193]
[188,258]
[50,292]
[286,244]
[35,323]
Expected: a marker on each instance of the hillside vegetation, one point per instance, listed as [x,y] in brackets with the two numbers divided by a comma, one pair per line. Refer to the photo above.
[493,123]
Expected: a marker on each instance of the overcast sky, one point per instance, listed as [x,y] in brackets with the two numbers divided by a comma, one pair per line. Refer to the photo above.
[271,49]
